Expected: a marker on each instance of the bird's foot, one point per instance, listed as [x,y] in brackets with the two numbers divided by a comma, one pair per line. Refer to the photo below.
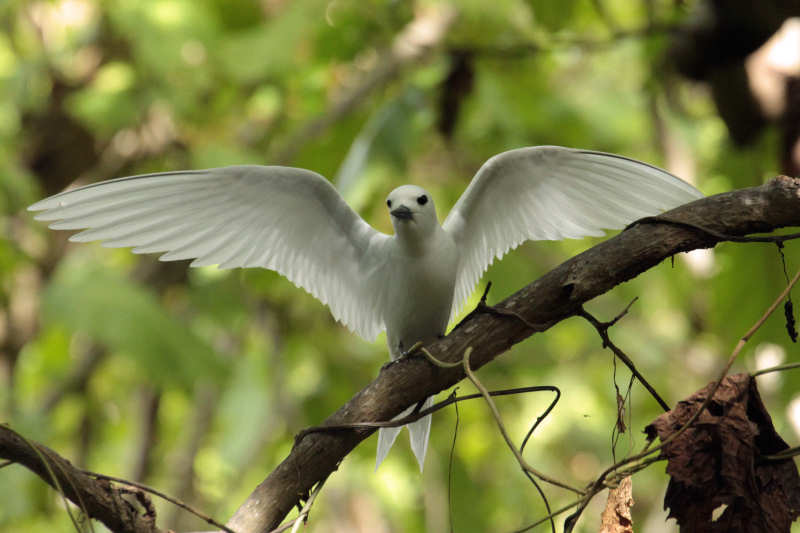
[391,363]
[412,353]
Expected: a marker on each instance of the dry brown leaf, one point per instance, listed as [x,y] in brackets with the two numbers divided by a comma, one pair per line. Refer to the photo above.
[719,481]
[616,517]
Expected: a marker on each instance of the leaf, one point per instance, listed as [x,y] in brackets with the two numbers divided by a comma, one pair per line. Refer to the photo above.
[616,517]
[271,49]
[553,16]
[128,319]
[717,464]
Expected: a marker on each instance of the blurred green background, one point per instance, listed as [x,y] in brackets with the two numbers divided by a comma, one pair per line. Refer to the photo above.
[195,381]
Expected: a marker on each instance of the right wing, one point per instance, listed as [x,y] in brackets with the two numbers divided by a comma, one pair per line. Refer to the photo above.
[285,219]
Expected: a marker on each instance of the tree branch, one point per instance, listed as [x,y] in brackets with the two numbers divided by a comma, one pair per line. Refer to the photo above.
[552,298]
[99,499]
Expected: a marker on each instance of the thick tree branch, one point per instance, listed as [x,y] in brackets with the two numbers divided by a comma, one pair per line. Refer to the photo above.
[555,296]
[101,500]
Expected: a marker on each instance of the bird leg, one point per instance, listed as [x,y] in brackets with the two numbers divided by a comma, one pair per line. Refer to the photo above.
[411,353]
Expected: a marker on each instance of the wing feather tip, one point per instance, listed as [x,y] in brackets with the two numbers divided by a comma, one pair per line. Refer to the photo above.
[46,216]
[46,203]
[79,237]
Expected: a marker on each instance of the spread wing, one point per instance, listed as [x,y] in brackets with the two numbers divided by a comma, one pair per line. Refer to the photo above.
[281,218]
[550,193]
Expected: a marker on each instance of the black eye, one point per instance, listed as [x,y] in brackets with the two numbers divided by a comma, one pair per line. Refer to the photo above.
[388,203]
[422,200]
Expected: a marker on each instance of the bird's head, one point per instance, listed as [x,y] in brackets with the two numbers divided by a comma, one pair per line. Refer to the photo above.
[412,210]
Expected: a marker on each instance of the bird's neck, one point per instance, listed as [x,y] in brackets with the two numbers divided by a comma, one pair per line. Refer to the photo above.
[416,241]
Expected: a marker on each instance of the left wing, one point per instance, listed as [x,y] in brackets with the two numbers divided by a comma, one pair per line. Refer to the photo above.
[551,193]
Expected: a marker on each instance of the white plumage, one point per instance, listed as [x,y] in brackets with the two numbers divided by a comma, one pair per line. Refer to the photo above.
[294,222]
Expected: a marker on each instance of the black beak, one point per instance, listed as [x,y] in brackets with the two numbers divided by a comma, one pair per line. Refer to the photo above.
[402,212]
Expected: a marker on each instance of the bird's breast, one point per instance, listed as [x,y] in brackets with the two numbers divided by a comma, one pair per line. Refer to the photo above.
[420,295]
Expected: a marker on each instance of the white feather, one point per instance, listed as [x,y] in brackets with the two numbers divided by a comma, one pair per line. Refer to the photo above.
[548,193]
[286,219]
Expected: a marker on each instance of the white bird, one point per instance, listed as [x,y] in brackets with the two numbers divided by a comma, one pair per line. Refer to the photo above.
[295,222]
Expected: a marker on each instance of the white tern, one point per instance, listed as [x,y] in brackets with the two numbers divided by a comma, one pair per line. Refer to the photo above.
[295,222]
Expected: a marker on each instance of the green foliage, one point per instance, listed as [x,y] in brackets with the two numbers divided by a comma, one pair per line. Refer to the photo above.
[168,84]
[166,352]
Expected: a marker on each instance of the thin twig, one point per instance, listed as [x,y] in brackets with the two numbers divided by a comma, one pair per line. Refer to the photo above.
[302,516]
[450,470]
[607,484]
[539,419]
[602,330]
[413,417]
[783,454]
[778,368]
[307,507]
[81,504]
[488,398]
[161,495]
[620,426]
[550,516]
[483,307]
[433,360]
[779,239]
[526,468]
